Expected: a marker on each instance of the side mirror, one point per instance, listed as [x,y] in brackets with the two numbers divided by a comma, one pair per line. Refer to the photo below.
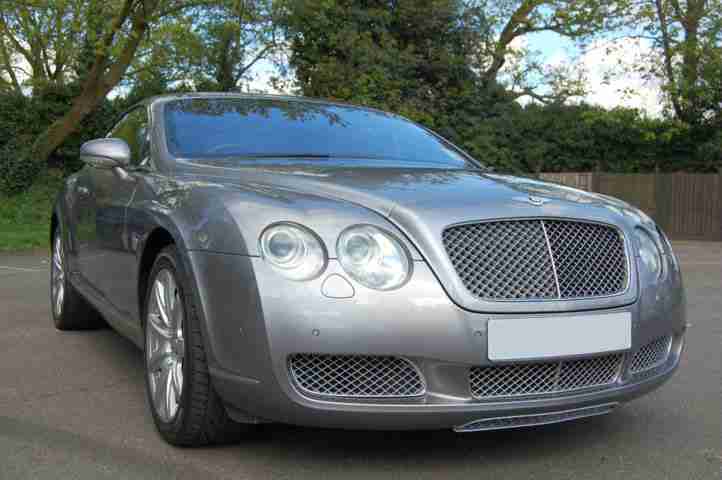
[106,153]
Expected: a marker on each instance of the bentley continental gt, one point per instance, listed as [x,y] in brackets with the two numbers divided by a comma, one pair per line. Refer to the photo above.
[282,259]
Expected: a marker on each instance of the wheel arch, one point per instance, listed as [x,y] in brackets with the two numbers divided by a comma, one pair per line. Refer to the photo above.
[56,216]
[158,239]
[53,226]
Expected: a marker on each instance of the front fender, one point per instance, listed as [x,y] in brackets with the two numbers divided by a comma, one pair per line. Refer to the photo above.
[229,219]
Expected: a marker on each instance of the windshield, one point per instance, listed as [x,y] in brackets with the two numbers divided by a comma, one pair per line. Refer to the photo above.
[254,129]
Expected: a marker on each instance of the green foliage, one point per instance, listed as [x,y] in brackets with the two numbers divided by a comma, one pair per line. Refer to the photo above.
[18,169]
[583,138]
[23,119]
[686,54]
[406,56]
[212,45]
[25,217]
[455,66]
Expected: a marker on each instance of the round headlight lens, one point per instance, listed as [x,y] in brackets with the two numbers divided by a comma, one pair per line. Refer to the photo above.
[293,250]
[373,258]
[649,251]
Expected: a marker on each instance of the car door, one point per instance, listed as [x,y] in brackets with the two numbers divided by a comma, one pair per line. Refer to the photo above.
[108,263]
[82,224]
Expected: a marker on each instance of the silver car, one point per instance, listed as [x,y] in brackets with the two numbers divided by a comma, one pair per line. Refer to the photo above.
[313,263]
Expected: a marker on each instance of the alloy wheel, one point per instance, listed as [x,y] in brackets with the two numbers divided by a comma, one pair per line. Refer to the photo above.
[57,277]
[165,346]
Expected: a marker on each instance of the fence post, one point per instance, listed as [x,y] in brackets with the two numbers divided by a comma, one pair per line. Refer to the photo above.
[595,182]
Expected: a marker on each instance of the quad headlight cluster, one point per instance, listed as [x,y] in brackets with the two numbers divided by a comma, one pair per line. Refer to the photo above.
[371,256]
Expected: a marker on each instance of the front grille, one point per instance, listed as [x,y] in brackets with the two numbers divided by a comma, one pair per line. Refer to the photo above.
[651,356]
[538,259]
[544,378]
[357,376]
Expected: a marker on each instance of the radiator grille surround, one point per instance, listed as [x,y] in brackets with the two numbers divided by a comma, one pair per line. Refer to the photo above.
[538,259]
[356,376]
[544,378]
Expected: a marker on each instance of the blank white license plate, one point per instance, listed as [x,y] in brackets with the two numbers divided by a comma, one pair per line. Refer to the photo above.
[553,337]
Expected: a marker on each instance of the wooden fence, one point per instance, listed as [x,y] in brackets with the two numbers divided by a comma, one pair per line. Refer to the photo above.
[687,206]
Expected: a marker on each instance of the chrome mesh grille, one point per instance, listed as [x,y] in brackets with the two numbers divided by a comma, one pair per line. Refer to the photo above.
[589,258]
[544,378]
[538,259]
[358,376]
[651,356]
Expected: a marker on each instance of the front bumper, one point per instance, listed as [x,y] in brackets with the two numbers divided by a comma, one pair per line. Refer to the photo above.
[255,320]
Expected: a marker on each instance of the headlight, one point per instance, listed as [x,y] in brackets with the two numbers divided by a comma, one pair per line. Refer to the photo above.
[668,248]
[373,257]
[294,251]
[649,251]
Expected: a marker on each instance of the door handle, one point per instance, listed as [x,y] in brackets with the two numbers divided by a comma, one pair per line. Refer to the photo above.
[83,191]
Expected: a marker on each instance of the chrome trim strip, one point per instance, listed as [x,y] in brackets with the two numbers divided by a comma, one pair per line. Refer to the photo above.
[551,257]
[531,420]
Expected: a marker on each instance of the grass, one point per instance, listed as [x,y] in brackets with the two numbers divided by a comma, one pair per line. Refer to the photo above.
[25,218]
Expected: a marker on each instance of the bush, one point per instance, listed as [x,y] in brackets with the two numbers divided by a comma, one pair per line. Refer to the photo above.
[25,218]
[18,168]
[583,138]
[23,119]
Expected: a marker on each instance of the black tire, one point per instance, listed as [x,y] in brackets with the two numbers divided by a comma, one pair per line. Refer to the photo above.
[201,418]
[74,312]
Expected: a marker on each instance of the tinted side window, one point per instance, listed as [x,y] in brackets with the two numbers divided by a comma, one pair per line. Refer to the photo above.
[133,128]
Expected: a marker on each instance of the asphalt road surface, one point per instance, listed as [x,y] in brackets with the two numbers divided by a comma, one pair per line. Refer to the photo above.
[72,405]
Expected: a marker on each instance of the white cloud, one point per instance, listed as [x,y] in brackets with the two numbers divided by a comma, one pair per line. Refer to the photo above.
[260,81]
[612,80]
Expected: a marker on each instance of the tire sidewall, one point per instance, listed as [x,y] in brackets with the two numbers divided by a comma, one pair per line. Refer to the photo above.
[168,260]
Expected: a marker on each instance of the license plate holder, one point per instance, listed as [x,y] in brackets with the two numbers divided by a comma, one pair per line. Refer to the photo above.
[548,337]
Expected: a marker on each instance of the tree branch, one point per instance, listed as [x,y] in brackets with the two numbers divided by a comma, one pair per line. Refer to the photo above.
[667,47]
[8,65]
[250,65]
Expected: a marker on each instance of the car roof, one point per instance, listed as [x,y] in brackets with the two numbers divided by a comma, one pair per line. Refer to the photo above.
[248,96]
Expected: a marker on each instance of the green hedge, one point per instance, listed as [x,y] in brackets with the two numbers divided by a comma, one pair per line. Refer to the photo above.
[584,138]
[23,118]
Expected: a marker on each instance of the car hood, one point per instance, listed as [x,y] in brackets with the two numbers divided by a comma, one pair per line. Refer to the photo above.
[423,202]
[432,195]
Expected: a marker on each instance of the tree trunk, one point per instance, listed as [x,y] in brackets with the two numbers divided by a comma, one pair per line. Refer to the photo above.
[101,79]
[668,57]
[62,128]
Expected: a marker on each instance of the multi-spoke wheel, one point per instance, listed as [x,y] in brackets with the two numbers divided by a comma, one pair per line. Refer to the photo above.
[57,277]
[164,345]
[186,409]
[70,310]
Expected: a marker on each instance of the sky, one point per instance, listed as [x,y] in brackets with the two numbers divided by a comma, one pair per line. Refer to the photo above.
[597,60]
[607,64]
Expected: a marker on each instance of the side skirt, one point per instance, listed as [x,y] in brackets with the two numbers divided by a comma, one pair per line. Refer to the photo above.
[121,323]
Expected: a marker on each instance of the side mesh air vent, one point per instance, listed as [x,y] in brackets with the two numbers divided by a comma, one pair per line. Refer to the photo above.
[651,356]
[543,378]
[355,376]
